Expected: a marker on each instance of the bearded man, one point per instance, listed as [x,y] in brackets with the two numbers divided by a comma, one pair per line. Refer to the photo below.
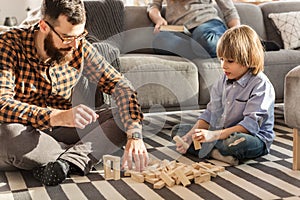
[41,129]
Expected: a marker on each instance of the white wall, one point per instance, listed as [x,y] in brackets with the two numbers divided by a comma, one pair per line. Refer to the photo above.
[16,8]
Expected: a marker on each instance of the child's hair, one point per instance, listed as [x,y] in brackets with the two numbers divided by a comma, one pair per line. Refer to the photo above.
[242,45]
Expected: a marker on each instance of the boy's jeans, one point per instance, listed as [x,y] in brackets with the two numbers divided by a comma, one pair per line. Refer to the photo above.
[240,145]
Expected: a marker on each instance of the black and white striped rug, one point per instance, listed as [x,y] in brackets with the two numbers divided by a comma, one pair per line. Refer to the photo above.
[269,177]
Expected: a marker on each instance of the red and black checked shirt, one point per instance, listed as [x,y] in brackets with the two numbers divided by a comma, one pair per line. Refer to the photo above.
[29,90]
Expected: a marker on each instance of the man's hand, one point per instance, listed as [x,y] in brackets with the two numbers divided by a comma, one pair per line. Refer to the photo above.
[79,117]
[136,149]
[203,135]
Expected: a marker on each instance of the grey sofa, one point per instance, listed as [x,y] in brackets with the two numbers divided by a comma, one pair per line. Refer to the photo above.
[173,82]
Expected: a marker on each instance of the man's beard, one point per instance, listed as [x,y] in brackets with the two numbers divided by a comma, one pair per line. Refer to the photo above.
[57,55]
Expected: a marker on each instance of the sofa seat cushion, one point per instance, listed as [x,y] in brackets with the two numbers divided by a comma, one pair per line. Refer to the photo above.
[168,81]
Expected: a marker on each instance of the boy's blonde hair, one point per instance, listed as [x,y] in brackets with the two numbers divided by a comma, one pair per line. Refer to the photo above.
[242,45]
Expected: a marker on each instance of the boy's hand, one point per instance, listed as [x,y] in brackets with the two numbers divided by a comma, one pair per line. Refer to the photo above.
[203,135]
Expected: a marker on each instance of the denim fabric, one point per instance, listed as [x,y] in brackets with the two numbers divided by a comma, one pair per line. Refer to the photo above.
[207,35]
[201,44]
[248,147]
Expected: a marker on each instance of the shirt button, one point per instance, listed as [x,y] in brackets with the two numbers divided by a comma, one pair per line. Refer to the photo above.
[228,102]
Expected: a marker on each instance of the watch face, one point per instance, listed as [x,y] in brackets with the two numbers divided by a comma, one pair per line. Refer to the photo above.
[136,135]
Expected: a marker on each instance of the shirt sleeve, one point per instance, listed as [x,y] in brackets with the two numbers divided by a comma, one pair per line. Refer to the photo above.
[214,108]
[112,82]
[228,9]
[258,113]
[13,110]
[155,3]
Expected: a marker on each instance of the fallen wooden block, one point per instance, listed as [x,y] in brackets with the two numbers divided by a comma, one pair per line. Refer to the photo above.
[138,177]
[167,179]
[159,185]
[202,178]
[183,179]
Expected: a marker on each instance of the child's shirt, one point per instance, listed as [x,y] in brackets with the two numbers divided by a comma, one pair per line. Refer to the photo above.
[248,102]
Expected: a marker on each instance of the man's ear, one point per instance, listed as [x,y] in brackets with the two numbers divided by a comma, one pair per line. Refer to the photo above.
[43,26]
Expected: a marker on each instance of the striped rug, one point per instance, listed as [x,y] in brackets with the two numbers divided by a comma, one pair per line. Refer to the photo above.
[268,177]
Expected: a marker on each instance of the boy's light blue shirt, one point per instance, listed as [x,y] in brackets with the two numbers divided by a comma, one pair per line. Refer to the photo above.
[248,102]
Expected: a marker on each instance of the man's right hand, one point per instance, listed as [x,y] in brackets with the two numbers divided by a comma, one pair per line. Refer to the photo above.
[79,117]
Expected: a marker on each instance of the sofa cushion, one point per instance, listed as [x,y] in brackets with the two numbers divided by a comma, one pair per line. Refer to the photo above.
[276,7]
[168,81]
[105,20]
[210,71]
[277,65]
[288,24]
[251,15]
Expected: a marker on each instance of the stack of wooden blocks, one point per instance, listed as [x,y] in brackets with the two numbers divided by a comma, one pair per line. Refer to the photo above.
[169,173]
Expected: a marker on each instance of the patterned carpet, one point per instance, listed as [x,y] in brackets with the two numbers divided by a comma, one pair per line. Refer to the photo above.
[269,177]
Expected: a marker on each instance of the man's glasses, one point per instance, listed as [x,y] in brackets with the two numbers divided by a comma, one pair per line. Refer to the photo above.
[70,39]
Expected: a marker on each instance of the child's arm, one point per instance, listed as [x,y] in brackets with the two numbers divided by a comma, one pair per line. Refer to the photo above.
[183,143]
[203,135]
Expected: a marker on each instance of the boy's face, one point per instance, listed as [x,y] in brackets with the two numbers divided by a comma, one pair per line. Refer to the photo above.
[232,69]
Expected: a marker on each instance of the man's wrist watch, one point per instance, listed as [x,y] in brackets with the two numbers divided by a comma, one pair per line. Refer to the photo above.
[135,136]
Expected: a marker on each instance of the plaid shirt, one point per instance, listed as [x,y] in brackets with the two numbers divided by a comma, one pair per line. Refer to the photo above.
[30,89]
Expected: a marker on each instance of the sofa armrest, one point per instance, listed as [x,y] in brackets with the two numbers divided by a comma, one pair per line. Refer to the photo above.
[292,111]
[292,97]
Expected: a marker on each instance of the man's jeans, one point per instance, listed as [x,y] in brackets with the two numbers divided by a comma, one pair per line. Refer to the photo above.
[240,145]
[24,147]
[201,44]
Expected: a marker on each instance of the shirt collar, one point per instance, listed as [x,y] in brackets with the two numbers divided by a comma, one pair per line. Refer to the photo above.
[243,80]
[30,49]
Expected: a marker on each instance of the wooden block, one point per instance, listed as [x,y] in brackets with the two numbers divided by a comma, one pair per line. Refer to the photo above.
[127,173]
[138,177]
[183,179]
[180,141]
[188,170]
[113,162]
[190,177]
[167,179]
[156,172]
[159,184]
[152,180]
[203,178]
[212,173]
[218,169]
[196,173]
[197,144]
[150,175]
[171,165]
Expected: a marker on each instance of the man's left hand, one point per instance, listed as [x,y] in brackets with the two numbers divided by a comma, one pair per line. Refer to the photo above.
[136,149]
